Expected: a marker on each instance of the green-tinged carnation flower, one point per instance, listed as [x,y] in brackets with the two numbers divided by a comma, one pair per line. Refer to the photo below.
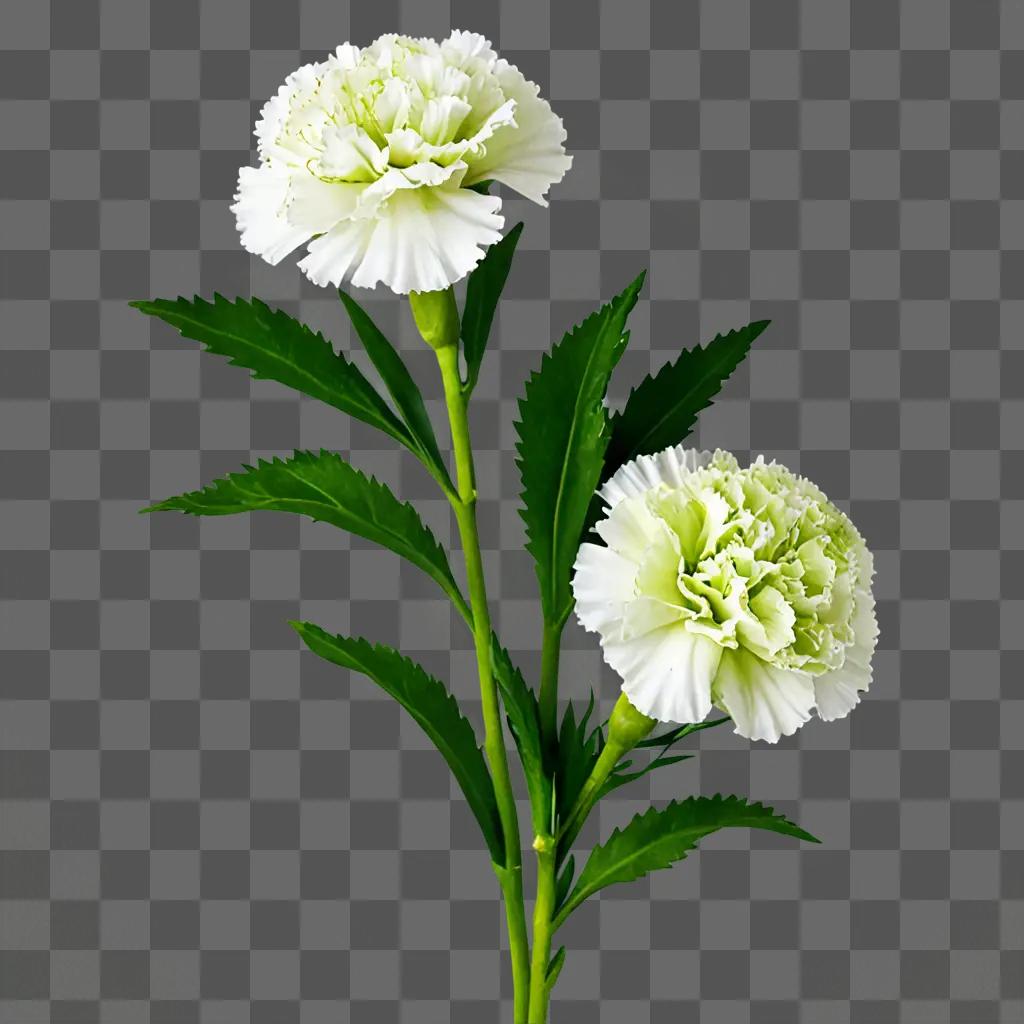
[371,156]
[741,588]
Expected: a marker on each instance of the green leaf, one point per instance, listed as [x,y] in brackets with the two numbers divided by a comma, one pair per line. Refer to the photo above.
[483,290]
[436,711]
[673,736]
[578,751]
[563,433]
[661,410]
[658,838]
[554,968]
[564,881]
[621,776]
[524,723]
[402,388]
[275,346]
[329,490]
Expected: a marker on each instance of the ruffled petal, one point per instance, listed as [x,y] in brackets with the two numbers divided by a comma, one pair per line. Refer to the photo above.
[350,155]
[260,214]
[426,239]
[647,472]
[529,157]
[666,673]
[602,583]
[764,702]
[838,692]
[418,175]
[464,49]
[332,256]
[293,92]
[631,528]
[318,205]
[645,614]
[441,118]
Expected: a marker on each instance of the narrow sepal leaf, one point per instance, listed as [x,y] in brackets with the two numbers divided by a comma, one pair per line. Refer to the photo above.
[658,838]
[523,717]
[554,968]
[563,433]
[435,710]
[400,384]
[483,290]
[662,409]
[326,488]
[275,346]
[622,776]
[672,736]
[579,747]
[564,881]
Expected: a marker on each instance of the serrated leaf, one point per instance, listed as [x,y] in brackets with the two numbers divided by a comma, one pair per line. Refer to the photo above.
[579,747]
[435,710]
[578,750]
[275,346]
[524,723]
[329,490]
[563,434]
[483,290]
[402,388]
[662,409]
[657,839]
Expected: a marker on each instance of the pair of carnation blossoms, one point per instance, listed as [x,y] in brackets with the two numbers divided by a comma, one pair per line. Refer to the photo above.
[710,585]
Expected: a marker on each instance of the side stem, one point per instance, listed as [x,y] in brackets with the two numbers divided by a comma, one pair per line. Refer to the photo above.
[603,767]
[626,728]
[510,874]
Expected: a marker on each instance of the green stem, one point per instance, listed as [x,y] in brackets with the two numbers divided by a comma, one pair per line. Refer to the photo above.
[510,873]
[626,728]
[543,929]
[545,845]
[603,767]
[550,651]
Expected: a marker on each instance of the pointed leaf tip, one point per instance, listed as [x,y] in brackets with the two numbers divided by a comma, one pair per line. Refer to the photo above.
[483,292]
[327,489]
[275,346]
[662,409]
[563,432]
[657,839]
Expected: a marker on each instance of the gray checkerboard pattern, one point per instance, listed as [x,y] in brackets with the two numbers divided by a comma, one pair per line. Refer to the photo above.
[199,824]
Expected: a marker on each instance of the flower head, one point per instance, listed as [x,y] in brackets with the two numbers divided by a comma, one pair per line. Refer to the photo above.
[741,588]
[371,154]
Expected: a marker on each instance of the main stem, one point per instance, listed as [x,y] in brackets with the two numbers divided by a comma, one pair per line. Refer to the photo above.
[511,875]
[545,845]
[548,701]
[543,929]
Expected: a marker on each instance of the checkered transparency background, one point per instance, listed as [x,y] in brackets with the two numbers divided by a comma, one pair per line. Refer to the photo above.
[200,824]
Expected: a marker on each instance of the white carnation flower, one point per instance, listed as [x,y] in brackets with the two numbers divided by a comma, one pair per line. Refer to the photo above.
[744,589]
[369,156]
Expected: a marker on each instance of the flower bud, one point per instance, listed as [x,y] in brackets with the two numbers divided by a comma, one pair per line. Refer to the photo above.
[437,317]
[627,726]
